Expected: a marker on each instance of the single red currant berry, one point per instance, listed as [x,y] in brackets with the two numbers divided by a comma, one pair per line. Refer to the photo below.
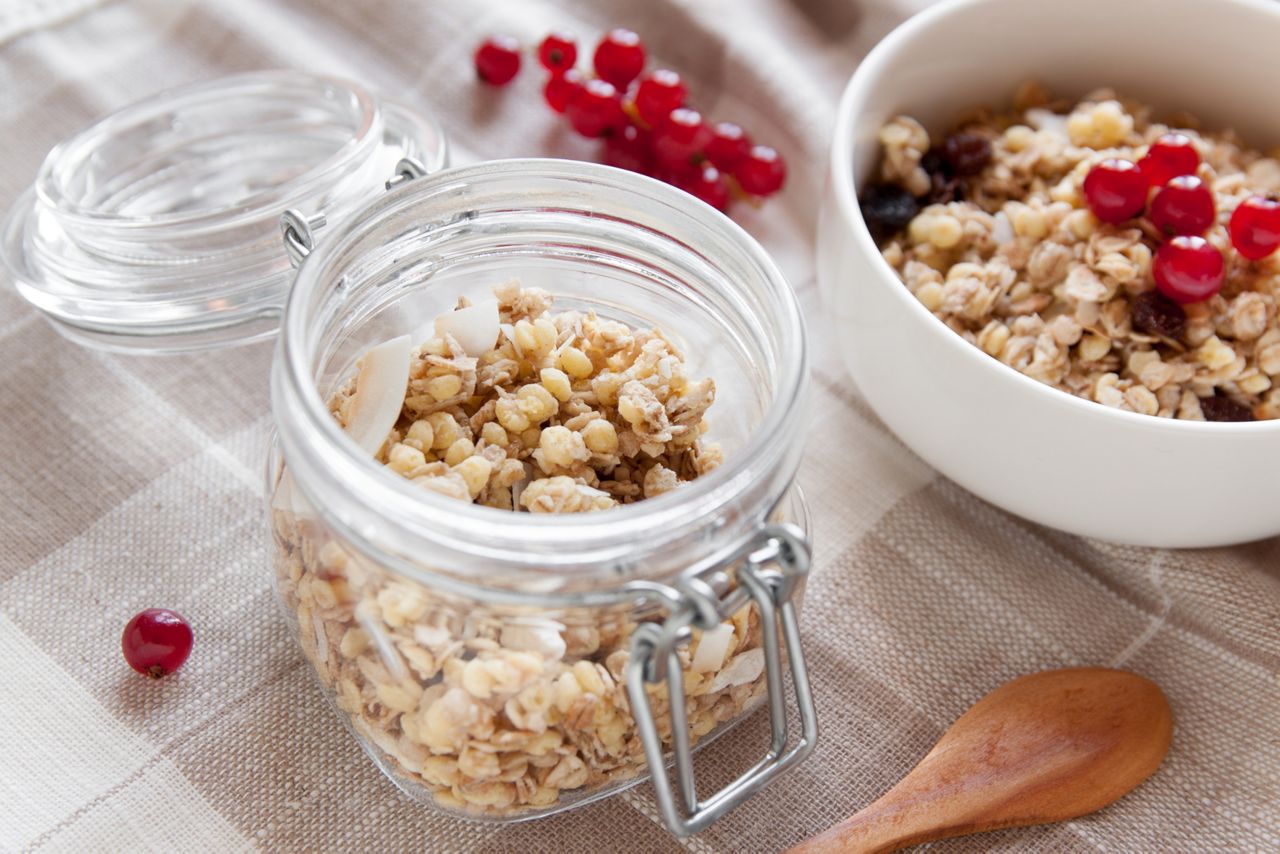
[1188,269]
[658,94]
[1115,190]
[762,172]
[631,149]
[1183,206]
[679,142]
[619,57]
[708,185]
[1255,227]
[1168,157]
[596,109]
[561,88]
[498,60]
[729,144]
[156,642]
[558,52]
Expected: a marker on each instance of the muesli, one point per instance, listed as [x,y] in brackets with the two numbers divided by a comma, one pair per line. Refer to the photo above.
[1122,258]
[517,408]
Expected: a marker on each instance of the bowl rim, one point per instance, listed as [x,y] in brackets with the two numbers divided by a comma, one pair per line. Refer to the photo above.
[852,102]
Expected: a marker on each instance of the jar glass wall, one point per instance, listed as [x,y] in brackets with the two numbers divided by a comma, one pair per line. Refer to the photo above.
[479,655]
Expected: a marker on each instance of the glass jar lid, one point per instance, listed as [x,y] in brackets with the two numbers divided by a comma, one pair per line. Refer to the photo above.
[157,229]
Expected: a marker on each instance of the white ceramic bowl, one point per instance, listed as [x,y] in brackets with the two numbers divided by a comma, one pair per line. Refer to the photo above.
[1031,449]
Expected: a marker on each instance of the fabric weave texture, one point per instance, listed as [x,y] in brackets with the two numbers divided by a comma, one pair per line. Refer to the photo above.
[134,482]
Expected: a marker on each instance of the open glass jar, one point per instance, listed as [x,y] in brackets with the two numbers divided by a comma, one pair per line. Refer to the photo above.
[506,665]
[499,665]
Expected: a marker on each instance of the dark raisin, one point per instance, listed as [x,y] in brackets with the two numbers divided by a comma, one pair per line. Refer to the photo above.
[887,208]
[935,163]
[1222,408]
[967,153]
[1156,314]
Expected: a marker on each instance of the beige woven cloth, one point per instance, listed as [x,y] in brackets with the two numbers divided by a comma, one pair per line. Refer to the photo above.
[131,482]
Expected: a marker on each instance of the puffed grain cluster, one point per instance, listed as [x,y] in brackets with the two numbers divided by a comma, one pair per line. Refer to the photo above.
[1023,270]
[568,413]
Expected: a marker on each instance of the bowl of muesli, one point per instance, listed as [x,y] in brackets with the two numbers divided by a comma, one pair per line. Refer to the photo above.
[1048,245]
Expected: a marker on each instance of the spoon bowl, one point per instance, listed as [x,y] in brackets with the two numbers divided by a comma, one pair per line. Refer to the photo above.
[1047,747]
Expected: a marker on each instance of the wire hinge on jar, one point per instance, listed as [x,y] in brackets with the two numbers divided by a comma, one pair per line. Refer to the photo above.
[298,230]
[773,563]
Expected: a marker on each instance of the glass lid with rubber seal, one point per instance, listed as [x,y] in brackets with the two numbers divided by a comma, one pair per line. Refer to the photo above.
[158,228]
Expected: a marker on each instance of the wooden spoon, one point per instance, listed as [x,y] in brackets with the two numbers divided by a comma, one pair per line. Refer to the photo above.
[1047,747]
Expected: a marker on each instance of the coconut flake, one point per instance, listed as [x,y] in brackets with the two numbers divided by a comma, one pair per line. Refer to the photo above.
[534,634]
[475,327]
[1049,122]
[518,487]
[509,332]
[712,647]
[379,396]
[744,668]
[282,498]
[1003,231]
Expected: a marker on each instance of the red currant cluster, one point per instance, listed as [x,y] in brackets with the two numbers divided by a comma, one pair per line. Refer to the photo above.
[1187,268]
[644,120]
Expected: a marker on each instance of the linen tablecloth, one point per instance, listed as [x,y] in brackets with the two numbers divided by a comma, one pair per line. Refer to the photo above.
[132,482]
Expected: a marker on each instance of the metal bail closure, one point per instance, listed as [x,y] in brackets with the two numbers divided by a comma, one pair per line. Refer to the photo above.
[773,562]
[406,170]
[298,231]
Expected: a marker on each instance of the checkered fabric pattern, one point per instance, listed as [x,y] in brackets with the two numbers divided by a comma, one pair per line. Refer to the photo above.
[135,482]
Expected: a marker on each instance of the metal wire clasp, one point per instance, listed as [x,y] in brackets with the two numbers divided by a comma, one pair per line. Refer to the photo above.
[773,562]
[298,230]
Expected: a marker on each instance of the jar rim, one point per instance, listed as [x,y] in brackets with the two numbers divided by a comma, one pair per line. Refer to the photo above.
[525,539]
[48,187]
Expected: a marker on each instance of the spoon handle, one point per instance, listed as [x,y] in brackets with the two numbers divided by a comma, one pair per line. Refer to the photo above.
[870,831]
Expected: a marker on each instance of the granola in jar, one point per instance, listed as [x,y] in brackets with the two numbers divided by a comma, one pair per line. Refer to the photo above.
[994,231]
[504,710]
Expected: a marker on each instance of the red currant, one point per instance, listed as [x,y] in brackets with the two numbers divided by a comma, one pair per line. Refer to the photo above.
[1168,157]
[762,172]
[679,142]
[1255,227]
[1183,206]
[156,642]
[1115,190]
[729,144]
[619,57]
[707,184]
[658,94]
[1188,269]
[498,60]
[558,52]
[596,109]
[631,149]
[561,88]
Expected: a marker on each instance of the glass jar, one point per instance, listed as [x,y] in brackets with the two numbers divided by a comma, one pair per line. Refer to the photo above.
[506,665]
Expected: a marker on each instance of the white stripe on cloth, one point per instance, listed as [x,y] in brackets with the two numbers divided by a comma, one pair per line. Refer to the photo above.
[20,16]
[91,784]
